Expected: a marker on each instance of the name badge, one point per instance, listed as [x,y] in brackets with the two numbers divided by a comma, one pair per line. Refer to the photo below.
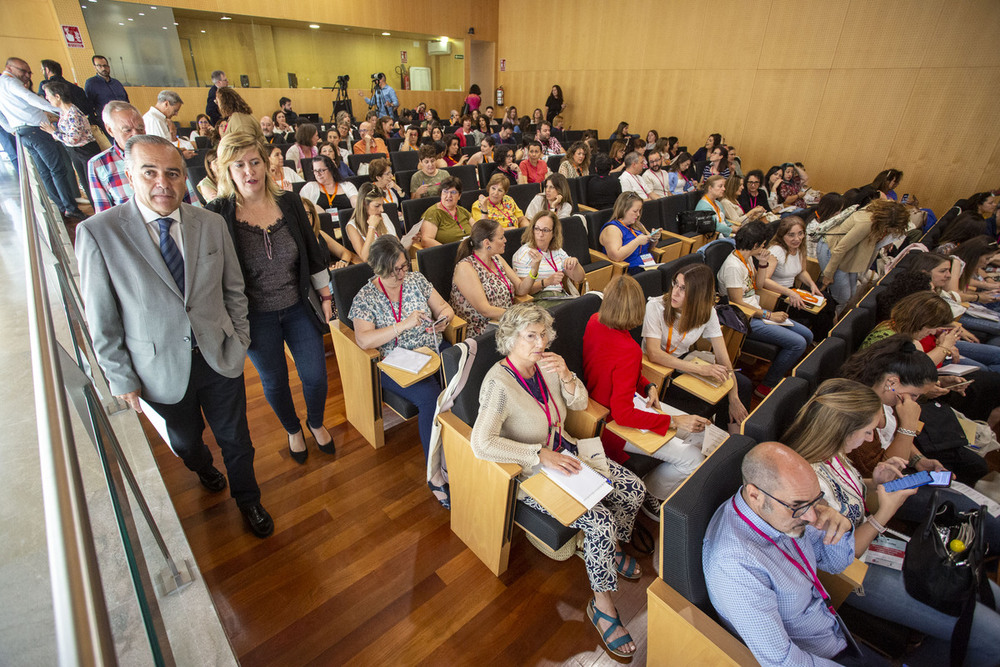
[647,259]
[334,214]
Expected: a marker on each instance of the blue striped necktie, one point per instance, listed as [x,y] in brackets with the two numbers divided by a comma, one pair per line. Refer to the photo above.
[171,253]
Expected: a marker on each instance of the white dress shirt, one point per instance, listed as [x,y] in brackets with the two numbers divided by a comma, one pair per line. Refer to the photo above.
[150,217]
[156,123]
[19,106]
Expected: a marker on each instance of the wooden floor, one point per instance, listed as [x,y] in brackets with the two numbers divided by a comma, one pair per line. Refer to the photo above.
[364,569]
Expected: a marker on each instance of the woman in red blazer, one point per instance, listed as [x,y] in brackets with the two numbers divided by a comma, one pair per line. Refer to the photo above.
[612,365]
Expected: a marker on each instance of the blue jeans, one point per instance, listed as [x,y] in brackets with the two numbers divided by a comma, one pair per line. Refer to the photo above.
[269,333]
[977,325]
[978,354]
[792,342]
[49,158]
[844,284]
[886,597]
[424,395]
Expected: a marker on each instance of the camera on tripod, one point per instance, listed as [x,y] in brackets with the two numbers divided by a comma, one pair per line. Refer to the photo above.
[343,79]
[375,77]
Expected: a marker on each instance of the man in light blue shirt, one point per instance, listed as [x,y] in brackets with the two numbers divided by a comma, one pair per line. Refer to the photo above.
[760,554]
[22,113]
[384,99]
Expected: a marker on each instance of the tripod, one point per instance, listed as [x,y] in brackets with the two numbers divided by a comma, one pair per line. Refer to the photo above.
[341,102]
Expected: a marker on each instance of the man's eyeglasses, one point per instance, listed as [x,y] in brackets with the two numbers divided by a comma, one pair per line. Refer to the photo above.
[798,510]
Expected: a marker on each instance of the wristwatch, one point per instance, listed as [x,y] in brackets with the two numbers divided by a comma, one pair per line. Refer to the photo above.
[572,378]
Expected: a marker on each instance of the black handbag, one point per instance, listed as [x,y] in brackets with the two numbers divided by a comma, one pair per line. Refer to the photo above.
[696,222]
[946,575]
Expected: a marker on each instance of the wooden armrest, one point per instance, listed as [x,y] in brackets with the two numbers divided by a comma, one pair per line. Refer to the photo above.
[678,632]
[655,372]
[582,207]
[455,331]
[812,268]
[746,309]
[348,333]
[768,299]
[523,298]
[673,235]
[464,431]
[586,423]
[839,586]
[597,255]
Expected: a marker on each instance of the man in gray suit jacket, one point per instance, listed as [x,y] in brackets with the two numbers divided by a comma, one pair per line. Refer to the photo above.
[164,300]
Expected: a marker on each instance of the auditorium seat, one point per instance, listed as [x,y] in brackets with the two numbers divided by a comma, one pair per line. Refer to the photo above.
[777,411]
[523,193]
[822,363]
[466,174]
[854,327]
[404,161]
[354,161]
[597,270]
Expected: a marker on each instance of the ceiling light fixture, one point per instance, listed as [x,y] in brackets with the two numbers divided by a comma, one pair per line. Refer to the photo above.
[203,32]
[226,18]
[314,26]
[386,34]
[141,14]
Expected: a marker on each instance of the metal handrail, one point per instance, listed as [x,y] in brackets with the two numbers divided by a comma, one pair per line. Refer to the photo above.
[83,632]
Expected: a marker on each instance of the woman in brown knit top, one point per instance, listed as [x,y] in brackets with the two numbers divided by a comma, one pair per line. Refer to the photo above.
[523,402]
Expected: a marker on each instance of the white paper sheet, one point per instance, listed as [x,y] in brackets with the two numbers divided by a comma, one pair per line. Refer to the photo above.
[587,486]
[157,421]
[713,437]
[980,499]
[406,360]
[956,369]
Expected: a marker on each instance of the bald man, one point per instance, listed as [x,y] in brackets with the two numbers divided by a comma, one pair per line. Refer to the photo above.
[369,143]
[760,554]
[22,113]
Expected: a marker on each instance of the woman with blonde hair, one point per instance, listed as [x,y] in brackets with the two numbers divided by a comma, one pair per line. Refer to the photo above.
[713,188]
[623,238]
[523,401]
[840,417]
[282,267]
[368,221]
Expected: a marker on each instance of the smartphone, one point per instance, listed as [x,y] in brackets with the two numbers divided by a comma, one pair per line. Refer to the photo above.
[438,321]
[905,199]
[909,482]
[942,478]
[959,385]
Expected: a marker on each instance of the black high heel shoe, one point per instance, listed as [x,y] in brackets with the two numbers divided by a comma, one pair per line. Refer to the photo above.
[326,447]
[298,457]
[446,490]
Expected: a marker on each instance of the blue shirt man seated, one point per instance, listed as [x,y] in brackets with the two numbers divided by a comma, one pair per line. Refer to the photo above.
[760,556]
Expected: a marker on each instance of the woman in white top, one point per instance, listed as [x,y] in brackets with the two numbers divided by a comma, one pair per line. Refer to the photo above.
[542,257]
[368,222]
[329,192]
[673,324]
[555,197]
[788,252]
[204,128]
[282,175]
[731,205]
[739,280]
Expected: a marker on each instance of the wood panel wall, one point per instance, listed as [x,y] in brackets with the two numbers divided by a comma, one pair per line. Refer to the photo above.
[848,87]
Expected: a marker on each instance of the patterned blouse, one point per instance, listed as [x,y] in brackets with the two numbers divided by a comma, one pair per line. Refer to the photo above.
[507,212]
[786,190]
[843,488]
[372,305]
[497,293]
[73,128]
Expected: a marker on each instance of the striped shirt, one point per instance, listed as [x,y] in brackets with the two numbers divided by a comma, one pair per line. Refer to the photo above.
[762,597]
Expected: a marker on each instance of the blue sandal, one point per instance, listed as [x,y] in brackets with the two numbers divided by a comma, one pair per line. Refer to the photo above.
[597,615]
[628,571]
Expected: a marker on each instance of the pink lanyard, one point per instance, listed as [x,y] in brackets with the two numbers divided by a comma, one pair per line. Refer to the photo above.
[659,178]
[639,183]
[846,477]
[498,271]
[811,574]
[396,316]
[550,260]
[544,402]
